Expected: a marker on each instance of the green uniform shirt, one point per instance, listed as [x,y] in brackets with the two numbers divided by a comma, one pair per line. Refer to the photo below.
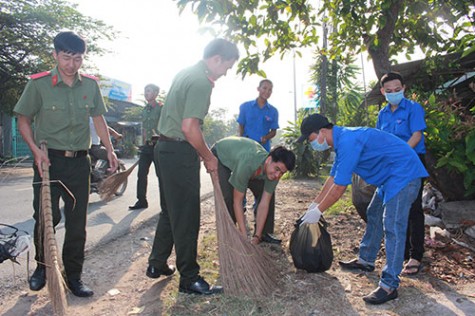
[243,156]
[189,97]
[61,113]
[150,117]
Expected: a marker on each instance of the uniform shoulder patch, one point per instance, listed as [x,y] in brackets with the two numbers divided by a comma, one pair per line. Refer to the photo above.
[90,77]
[40,75]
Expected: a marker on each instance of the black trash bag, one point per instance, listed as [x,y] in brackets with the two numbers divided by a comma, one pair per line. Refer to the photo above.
[311,246]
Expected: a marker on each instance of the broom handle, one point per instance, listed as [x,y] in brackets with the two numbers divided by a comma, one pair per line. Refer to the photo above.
[47,213]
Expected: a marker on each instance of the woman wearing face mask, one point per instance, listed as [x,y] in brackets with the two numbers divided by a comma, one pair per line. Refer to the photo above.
[384,161]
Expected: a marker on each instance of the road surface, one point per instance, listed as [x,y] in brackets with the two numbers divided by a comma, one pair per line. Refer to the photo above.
[106,221]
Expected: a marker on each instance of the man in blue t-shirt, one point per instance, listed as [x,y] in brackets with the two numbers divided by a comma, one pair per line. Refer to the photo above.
[405,119]
[382,160]
[258,119]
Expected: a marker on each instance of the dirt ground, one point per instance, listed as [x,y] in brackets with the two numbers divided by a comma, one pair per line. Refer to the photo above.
[116,272]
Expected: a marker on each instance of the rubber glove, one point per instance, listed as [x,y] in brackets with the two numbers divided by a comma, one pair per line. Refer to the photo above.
[312,215]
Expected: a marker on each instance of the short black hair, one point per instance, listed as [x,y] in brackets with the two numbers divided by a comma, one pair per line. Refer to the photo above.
[265,80]
[282,154]
[154,87]
[69,42]
[221,47]
[390,76]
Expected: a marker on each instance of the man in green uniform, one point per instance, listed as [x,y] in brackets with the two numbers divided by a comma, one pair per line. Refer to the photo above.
[178,151]
[150,116]
[244,163]
[60,103]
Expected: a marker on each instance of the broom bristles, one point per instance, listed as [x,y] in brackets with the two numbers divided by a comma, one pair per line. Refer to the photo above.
[56,284]
[111,184]
[245,269]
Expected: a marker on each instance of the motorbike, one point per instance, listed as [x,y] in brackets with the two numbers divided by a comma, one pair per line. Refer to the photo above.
[99,173]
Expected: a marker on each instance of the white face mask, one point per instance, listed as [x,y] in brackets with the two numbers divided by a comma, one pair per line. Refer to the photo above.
[319,147]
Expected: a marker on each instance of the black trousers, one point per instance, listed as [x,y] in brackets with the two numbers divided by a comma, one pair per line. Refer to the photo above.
[415,229]
[146,158]
[74,174]
[179,221]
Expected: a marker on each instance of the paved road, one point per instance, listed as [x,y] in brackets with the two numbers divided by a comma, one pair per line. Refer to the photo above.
[106,221]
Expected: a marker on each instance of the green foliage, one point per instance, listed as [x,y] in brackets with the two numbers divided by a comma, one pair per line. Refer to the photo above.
[453,142]
[384,28]
[133,114]
[27,29]
[308,162]
[344,102]
[216,126]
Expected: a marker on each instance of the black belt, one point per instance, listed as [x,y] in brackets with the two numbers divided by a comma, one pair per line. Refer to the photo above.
[67,153]
[170,139]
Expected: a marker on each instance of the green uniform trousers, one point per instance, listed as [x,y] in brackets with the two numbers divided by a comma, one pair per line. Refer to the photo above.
[179,220]
[74,174]
[257,188]
[145,160]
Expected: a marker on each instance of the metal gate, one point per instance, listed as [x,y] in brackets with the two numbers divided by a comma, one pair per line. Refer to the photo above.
[19,148]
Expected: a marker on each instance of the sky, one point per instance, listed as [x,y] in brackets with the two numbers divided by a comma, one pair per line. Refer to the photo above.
[156,42]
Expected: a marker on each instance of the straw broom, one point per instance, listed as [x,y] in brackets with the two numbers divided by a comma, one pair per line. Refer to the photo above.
[111,184]
[56,283]
[245,269]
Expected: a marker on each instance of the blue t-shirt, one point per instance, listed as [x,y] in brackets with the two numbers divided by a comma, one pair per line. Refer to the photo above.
[407,119]
[380,158]
[258,122]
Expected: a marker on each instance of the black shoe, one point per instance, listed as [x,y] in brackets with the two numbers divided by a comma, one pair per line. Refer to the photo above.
[200,287]
[155,273]
[38,278]
[79,289]
[355,265]
[380,296]
[138,205]
[268,238]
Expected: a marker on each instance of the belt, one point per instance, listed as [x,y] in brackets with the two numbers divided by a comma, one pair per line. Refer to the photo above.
[170,139]
[67,153]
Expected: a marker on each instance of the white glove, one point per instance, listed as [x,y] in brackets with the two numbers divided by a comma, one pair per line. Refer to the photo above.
[312,215]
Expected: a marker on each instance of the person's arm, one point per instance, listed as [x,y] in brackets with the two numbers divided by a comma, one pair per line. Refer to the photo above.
[103,133]
[323,192]
[269,136]
[329,194]
[238,198]
[334,194]
[262,212]
[114,133]
[415,139]
[241,130]
[24,126]
[193,134]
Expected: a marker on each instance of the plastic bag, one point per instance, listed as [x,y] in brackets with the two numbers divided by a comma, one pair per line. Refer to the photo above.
[13,242]
[311,246]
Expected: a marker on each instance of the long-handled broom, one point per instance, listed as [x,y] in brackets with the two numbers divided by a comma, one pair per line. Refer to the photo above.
[245,269]
[111,184]
[56,283]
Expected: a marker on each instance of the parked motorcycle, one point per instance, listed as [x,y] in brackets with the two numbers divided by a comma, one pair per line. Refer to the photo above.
[99,173]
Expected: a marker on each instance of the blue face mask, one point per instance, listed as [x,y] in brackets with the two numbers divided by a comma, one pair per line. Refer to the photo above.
[319,147]
[395,98]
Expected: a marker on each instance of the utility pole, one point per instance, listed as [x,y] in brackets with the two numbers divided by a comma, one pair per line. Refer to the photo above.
[295,88]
